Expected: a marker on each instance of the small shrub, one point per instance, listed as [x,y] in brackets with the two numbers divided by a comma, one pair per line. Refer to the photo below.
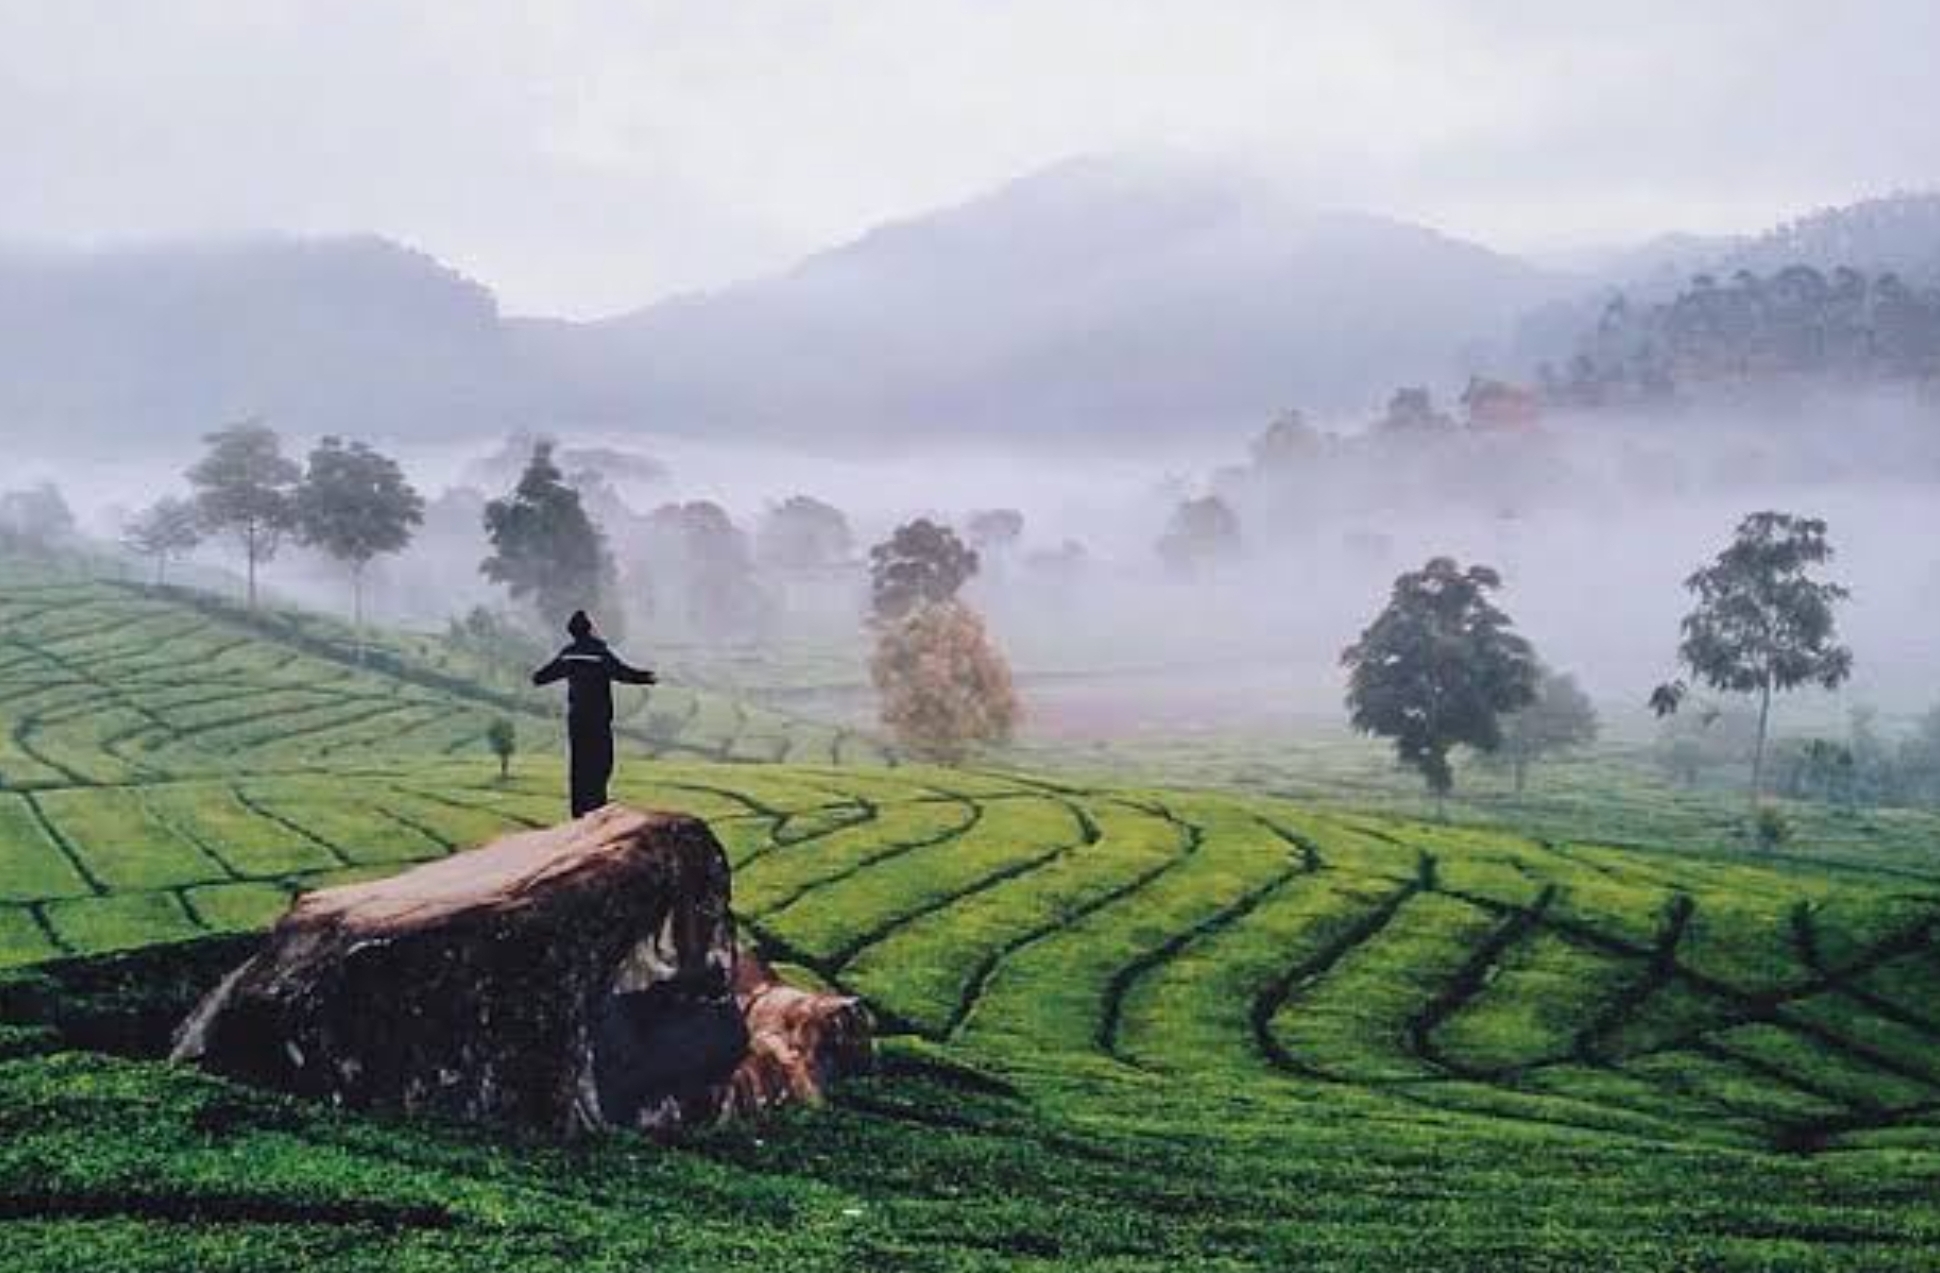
[503,738]
[1770,828]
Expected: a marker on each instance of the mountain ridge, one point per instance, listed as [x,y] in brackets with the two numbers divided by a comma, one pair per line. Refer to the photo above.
[1094,297]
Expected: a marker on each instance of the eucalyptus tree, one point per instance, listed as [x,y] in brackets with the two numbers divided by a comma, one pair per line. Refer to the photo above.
[245,487]
[168,529]
[355,505]
[1763,624]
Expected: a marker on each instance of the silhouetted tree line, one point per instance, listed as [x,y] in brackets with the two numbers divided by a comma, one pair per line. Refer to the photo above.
[1750,328]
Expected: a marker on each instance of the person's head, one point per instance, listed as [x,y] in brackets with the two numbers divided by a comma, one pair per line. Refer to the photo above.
[579,627]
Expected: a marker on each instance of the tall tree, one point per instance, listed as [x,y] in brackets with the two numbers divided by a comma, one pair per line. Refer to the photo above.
[1203,532]
[1763,624]
[245,487]
[355,504]
[544,547]
[1559,719]
[167,529]
[1439,668]
[36,519]
[921,562]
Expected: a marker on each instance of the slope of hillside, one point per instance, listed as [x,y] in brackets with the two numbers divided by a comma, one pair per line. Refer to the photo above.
[1135,1028]
[1095,298]
[169,340]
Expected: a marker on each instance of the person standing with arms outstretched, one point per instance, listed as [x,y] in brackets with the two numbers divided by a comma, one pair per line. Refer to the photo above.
[589,667]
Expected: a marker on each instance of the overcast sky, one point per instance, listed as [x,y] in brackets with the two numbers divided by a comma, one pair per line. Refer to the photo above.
[586,157]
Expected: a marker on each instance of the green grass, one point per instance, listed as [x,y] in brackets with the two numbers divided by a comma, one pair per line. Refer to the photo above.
[1134,1026]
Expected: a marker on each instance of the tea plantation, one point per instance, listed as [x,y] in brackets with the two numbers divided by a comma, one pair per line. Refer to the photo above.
[1132,1028]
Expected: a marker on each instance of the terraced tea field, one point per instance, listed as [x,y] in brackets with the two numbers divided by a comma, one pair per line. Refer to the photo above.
[1134,1028]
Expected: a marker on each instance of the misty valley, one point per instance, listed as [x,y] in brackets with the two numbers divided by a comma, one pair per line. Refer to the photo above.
[1163,710]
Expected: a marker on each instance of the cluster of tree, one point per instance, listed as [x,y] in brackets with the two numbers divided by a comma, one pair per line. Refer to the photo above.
[582,465]
[506,651]
[703,568]
[1202,535]
[804,534]
[686,565]
[1864,768]
[1560,718]
[943,687]
[35,521]
[1485,453]
[1750,328]
[1440,668]
[1860,768]
[1715,736]
[349,501]
[354,504]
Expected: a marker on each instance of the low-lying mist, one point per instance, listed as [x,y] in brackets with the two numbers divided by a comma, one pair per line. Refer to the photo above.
[1593,522]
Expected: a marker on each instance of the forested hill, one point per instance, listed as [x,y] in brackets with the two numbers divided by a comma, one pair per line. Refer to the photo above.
[1898,234]
[1096,297]
[168,340]
[1093,297]
[1850,292]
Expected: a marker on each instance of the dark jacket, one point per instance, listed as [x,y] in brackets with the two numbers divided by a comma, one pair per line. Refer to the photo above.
[589,669]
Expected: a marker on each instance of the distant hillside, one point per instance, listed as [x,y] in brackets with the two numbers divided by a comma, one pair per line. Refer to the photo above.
[1895,235]
[171,339]
[1096,296]
[1093,297]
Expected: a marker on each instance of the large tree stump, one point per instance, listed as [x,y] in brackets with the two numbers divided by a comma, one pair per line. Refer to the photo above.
[578,977]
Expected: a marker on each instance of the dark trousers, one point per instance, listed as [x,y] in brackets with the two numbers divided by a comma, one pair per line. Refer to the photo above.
[592,765]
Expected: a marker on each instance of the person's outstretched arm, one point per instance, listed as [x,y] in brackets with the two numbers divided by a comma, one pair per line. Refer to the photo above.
[550,672]
[625,673]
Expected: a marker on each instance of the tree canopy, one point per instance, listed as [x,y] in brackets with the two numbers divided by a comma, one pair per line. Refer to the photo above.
[37,518]
[167,529]
[923,561]
[544,547]
[1796,321]
[1439,668]
[246,487]
[1559,718]
[1762,623]
[355,504]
